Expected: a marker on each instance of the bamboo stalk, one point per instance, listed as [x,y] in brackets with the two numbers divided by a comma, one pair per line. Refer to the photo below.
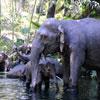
[32,13]
[0,18]
[41,2]
[12,21]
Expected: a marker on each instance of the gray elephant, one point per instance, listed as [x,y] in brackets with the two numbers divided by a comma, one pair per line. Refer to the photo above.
[5,62]
[14,56]
[78,41]
[25,49]
[23,58]
[48,68]
[18,71]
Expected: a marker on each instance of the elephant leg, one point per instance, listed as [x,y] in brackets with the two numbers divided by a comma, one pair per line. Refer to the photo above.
[76,61]
[66,71]
[98,79]
[46,82]
[39,86]
[28,81]
[39,81]
[54,77]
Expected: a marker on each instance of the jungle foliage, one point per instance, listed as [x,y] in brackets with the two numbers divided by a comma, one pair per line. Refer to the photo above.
[19,19]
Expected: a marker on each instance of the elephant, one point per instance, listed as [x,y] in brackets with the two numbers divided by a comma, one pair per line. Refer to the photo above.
[25,59]
[17,57]
[28,71]
[5,62]
[23,48]
[77,41]
[44,63]
[48,67]
[17,72]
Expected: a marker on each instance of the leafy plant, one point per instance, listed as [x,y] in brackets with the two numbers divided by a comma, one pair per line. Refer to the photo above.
[25,30]
[35,24]
[19,42]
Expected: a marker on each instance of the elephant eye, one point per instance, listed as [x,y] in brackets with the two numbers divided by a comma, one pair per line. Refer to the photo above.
[38,32]
[43,36]
[49,69]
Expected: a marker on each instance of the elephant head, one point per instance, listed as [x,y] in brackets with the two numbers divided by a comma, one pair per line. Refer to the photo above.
[25,59]
[49,39]
[44,66]
[51,34]
[3,57]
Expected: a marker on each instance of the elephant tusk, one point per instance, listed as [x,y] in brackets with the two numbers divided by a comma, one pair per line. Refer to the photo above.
[59,78]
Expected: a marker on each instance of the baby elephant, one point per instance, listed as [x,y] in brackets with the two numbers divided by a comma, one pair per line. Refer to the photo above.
[18,71]
[48,68]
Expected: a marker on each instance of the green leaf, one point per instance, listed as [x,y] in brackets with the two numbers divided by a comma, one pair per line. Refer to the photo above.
[25,30]
[35,24]
[93,12]
[19,42]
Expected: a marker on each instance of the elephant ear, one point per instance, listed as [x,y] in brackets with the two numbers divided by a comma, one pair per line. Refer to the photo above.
[42,63]
[61,30]
[4,55]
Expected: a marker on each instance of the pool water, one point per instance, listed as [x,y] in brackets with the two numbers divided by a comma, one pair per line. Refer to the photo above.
[14,89]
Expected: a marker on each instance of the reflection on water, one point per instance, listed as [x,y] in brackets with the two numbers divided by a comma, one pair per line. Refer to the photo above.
[14,89]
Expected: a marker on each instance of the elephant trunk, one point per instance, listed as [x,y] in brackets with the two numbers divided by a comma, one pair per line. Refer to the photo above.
[23,58]
[37,50]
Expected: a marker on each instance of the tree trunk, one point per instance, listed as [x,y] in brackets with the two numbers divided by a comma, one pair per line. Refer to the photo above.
[40,8]
[52,9]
